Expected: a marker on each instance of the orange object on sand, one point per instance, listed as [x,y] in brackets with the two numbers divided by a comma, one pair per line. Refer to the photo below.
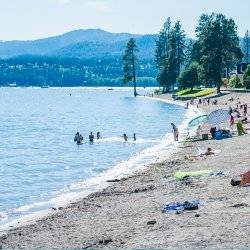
[245,179]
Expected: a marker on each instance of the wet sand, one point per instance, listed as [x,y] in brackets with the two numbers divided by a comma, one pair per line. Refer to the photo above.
[128,213]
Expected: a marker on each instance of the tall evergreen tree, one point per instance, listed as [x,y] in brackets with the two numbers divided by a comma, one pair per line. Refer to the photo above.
[162,53]
[170,54]
[177,50]
[246,47]
[219,46]
[129,63]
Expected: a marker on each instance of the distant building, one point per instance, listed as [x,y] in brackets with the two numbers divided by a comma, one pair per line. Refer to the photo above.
[241,67]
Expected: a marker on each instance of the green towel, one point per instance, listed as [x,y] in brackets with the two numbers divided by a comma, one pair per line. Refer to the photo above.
[181,175]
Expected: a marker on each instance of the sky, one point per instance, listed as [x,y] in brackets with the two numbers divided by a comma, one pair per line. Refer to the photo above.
[33,19]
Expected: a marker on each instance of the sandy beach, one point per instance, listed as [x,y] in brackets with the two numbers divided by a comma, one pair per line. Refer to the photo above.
[128,214]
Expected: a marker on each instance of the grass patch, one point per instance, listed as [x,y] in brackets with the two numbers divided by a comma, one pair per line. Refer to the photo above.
[195,92]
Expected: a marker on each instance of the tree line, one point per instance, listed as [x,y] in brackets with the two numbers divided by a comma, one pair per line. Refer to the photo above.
[58,71]
[205,60]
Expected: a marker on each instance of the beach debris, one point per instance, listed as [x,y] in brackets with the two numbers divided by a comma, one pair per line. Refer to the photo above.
[138,190]
[115,180]
[197,215]
[240,205]
[151,222]
[105,241]
[181,206]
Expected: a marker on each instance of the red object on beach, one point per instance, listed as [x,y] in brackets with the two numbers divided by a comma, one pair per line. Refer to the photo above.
[245,179]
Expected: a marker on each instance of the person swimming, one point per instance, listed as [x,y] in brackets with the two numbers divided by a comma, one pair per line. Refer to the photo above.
[98,135]
[134,136]
[91,137]
[125,137]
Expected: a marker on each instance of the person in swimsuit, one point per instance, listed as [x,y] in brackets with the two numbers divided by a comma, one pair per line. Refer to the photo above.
[175,132]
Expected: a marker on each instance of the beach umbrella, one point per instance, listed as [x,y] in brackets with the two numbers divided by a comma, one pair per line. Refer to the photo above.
[197,121]
[218,116]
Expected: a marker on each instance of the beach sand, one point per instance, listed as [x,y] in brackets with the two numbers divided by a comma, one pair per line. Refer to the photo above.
[128,213]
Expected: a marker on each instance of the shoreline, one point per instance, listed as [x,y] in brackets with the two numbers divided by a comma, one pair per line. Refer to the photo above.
[119,215]
[104,183]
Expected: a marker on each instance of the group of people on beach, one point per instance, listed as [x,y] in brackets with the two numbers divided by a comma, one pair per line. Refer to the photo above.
[79,138]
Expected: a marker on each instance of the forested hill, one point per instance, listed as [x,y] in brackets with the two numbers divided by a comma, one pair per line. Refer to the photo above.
[90,43]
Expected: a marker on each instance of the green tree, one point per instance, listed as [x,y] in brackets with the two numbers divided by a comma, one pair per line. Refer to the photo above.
[170,55]
[246,77]
[246,47]
[219,47]
[129,63]
[162,54]
[176,52]
[190,76]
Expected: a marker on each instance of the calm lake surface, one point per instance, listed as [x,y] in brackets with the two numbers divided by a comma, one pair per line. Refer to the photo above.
[40,163]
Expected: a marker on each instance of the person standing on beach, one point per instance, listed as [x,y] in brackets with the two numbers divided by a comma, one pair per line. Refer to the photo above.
[245,109]
[231,122]
[175,132]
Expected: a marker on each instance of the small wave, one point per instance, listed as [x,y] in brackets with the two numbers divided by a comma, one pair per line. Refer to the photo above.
[3,216]
[120,139]
[32,207]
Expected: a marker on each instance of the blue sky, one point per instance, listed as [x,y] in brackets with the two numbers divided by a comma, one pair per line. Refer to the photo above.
[31,19]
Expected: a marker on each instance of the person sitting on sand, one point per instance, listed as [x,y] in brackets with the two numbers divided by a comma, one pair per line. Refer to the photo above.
[91,137]
[125,137]
[209,151]
[175,132]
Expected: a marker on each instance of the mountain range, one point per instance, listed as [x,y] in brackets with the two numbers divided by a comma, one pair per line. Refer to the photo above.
[88,43]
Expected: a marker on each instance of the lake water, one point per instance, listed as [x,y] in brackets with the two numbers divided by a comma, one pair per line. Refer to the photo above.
[40,164]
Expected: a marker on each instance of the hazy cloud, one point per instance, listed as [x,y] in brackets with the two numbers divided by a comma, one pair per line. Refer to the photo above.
[100,5]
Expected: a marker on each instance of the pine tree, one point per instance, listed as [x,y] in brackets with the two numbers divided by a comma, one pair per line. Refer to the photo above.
[219,46]
[246,47]
[162,54]
[177,50]
[129,63]
[170,54]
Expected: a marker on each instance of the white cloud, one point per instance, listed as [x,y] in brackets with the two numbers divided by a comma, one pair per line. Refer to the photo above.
[63,1]
[100,5]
